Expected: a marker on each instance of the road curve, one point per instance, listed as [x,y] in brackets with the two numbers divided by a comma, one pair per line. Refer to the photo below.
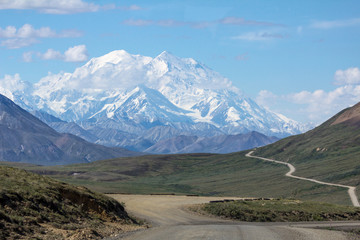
[170,220]
[351,189]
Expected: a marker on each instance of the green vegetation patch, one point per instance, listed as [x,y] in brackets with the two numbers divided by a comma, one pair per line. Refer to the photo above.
[328,153]
[36,206]
[198,174]
[279,210]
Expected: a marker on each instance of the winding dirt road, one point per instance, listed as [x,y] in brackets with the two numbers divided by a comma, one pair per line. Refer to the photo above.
[170,220]
[351,189]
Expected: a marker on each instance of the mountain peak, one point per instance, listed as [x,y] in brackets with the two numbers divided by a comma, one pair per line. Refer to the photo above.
[170,88]
[165,53]
[117,57]
[114,56]
[168,57]
[11,85]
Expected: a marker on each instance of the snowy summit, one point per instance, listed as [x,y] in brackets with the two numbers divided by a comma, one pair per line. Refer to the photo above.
[134,93]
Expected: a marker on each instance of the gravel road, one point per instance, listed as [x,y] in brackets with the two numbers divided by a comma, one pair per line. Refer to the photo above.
[351,189]
[170,220]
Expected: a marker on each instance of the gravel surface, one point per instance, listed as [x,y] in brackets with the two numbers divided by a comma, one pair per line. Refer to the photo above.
[169,219]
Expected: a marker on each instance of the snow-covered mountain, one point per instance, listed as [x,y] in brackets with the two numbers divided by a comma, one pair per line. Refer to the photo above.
[136,95]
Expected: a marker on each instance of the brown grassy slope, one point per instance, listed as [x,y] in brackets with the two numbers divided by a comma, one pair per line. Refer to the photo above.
[34,206]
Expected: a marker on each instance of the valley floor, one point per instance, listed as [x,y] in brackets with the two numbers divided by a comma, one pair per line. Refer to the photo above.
[169,219]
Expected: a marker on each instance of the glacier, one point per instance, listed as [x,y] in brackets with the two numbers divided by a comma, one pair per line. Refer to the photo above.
[122,99]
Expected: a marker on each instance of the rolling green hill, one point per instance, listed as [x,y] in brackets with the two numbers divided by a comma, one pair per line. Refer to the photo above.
[201,174]
[330,152]
[38,207]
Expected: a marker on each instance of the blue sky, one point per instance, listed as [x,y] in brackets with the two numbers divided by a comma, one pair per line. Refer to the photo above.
[298,58]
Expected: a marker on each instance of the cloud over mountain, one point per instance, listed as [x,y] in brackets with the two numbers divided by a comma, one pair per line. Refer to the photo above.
[134,93]
[319,104]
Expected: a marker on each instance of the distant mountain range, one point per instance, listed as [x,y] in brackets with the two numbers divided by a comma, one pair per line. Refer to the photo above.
[161,140]
[24,138]
[135,101]
[215,144]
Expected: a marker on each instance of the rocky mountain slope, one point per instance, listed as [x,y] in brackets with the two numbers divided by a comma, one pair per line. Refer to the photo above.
[216,144]
[24,138]
[136,96]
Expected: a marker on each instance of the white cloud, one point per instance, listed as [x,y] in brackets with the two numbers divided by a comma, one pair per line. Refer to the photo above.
[51,54]
[321,104]
[8,32]
[130,8]
[14,43]
[348,76]
[73,54]
[264,97]
[28,31]
[336,23]
[76,54]
[62,6]
[315,107]
[11,84]
[28,35]
[51,6]
[259,36]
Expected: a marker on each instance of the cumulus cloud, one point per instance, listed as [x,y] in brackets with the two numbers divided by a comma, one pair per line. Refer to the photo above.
[28,35]
[76,54]
[348,76]
[265,97]
[51,54]
[28,31]
[11,84]
[73,54]
[326,104]
[311,106]
[335,23]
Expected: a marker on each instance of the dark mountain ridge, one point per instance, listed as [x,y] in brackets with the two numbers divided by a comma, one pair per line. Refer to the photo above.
[24,138]
[215,144]
[162,139]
